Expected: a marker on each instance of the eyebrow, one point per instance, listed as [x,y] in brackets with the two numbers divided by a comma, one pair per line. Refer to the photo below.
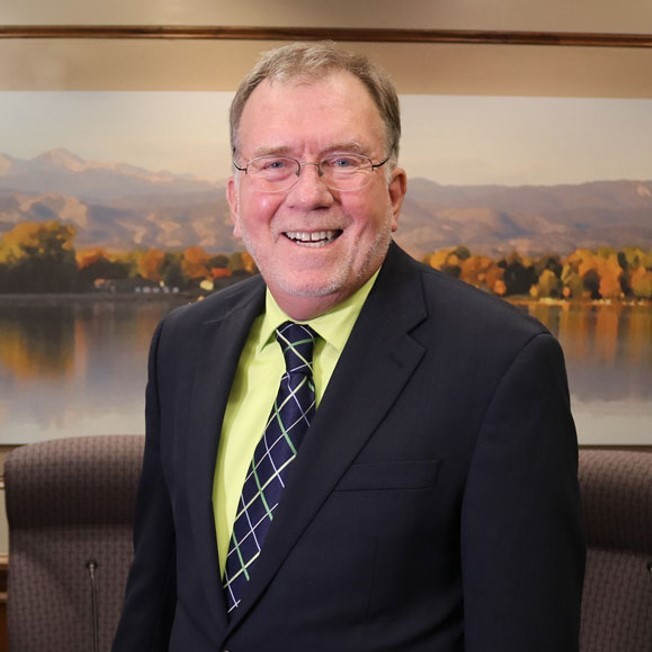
[352,146]
[270,151]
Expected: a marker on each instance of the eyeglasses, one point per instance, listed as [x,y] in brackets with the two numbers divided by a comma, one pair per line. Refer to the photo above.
[339,171]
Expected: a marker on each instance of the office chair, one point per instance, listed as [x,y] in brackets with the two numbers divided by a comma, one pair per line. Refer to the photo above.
[616,489]
[70,506]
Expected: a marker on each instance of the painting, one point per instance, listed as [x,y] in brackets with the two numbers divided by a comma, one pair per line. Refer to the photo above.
[112,212]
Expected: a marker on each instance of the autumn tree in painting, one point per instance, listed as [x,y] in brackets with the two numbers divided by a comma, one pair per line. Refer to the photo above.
[41,257]
[641,282]
[150,263]
[604,274]
[519,275]
[484,273]
[96,264]
[38,257]
[600,274]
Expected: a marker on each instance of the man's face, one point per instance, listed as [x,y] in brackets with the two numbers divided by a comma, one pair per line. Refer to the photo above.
[313,245]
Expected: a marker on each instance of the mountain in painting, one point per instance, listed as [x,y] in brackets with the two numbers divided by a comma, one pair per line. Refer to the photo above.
[528,219]
[60,171]
[122,206]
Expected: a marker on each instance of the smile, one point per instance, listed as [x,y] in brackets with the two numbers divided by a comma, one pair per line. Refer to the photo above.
[314,239]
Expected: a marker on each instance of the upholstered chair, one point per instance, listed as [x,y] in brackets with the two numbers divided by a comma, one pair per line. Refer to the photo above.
[617,598]
[70,508]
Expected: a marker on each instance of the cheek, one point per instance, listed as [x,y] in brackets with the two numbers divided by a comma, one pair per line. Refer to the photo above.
[257,209]
[371,214]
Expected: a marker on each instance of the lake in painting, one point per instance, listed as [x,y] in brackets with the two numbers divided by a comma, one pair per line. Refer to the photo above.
[91,173]
[71,367]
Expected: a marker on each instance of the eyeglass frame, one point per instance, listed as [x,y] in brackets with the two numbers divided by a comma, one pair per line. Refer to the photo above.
[300,164]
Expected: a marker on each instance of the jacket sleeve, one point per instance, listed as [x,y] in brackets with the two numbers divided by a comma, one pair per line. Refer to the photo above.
[150,595]
[523,547]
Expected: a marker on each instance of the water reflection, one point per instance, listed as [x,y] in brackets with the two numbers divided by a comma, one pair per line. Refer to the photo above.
[608,351]
[38,343]
[608,348]
[75,367]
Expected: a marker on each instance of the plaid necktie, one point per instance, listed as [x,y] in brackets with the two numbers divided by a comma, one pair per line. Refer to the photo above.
[261,493]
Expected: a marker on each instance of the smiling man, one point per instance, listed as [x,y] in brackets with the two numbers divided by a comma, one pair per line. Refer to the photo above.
[351,452]
[319,194]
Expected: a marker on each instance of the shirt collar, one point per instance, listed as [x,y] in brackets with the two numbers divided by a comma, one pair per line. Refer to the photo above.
[333,326]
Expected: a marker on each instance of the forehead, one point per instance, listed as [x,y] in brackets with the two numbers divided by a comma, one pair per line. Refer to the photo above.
[310,114]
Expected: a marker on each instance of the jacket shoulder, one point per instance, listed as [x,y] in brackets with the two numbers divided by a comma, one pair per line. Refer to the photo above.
[465,301]
[217,305]
[454,304]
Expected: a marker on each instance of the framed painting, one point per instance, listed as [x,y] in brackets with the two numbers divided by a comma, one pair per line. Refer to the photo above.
[530,165]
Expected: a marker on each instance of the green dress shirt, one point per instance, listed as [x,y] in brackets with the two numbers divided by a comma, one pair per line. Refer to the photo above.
[254,389]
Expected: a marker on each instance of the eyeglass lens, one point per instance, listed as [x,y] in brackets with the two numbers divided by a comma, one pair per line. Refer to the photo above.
[341,172]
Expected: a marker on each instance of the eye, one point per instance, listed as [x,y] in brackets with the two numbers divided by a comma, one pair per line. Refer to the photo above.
[343,162]
[273,164]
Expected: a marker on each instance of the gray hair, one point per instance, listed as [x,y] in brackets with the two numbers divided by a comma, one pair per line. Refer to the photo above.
[311,61]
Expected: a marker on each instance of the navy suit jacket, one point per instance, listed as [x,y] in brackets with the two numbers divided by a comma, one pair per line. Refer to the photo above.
[433,505]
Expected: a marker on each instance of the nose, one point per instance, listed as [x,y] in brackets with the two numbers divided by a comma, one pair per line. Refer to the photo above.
[310,190]
[317,166]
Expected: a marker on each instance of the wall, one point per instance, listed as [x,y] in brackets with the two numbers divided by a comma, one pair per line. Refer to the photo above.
[556,15]
[209,65]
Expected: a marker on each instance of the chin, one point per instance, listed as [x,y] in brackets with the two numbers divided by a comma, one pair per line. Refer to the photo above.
[309,289]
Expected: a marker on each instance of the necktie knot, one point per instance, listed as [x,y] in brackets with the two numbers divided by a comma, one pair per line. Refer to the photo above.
[297,342]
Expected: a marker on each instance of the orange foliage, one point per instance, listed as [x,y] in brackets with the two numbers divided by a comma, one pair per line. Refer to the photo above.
[482,272]
[610,287]
[220,272]
[149,264]
[87,257]
[499,288]
[581,261]
[641,283]
[38,236]
[195,263]
[439,258]
[604,273]
[604,265]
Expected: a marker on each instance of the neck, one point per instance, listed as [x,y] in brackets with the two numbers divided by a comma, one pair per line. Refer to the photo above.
[305,308]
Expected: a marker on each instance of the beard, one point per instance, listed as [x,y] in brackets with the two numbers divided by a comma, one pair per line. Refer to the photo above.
[344,276]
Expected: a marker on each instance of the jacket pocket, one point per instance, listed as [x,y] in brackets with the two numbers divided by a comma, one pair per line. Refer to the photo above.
[417,474]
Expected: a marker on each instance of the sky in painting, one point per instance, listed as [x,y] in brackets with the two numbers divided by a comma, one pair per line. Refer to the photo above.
[449,139]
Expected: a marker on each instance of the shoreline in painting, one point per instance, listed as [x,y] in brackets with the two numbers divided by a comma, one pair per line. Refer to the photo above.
[56,297]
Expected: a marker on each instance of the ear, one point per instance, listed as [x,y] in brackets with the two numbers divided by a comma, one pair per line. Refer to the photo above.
[232,198]
[397,189]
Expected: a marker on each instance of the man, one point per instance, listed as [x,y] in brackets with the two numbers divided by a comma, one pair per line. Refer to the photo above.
[432,504]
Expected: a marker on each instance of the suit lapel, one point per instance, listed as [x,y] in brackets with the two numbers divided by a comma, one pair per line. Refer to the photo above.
[221,341]
[374,367]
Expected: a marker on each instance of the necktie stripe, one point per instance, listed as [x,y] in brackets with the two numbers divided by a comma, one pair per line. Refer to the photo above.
[261,494]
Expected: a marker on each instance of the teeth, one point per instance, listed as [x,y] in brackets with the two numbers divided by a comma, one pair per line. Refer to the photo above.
[316,237]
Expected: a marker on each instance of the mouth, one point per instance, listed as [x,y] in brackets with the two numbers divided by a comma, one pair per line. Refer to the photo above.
[313,239]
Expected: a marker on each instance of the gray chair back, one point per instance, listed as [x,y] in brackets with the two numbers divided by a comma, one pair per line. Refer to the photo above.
[616,491]
[70,505]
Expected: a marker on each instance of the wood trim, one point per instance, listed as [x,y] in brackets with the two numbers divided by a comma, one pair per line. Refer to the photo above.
[385,35]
